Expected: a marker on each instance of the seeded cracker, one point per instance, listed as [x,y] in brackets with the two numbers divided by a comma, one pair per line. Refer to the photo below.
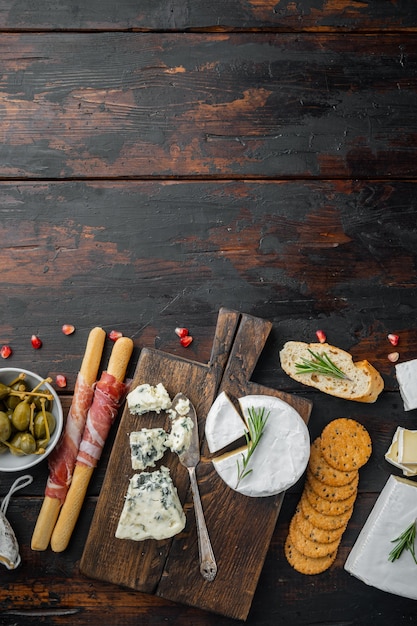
[315,533]
[307,546]
[333,493]
[346,444]
[306,564]
[325,472]
[321,520]
[328,507]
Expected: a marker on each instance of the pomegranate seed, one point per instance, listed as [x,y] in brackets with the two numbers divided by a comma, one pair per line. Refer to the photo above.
[181,332]
[114,335]
[6,351]
[36,342]
[321,336]
[393,339]
[393,357]
[68,329]
[61,381]
[185,341]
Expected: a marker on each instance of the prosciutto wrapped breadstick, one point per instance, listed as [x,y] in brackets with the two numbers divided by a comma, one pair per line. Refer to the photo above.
[62,460]
[109,393]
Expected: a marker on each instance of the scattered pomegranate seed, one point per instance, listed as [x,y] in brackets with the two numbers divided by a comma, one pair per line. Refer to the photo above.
[393,339]
[5,352]
[68,329]
[185,341]
[114,335]
[61,381]
[36,342]
[393,357]
[181,332]
[321,336]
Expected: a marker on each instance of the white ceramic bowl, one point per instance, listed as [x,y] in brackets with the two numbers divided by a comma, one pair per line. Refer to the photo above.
[10,462]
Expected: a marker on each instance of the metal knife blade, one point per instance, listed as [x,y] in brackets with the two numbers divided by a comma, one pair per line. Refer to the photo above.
[190,458]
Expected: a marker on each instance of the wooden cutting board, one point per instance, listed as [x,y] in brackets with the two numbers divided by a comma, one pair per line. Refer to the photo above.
[240,527]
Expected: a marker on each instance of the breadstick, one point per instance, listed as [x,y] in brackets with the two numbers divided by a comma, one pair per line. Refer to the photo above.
[51,505]
[71,508]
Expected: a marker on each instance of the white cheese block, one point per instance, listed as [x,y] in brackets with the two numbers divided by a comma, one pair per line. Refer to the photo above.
[147,446]
[179,437]
[392,456]
[145,398]
[281,456]
[152,509]
[394,510]
[223,424]
[407,379]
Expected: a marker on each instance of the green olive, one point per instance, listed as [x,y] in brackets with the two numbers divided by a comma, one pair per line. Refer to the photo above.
[27,443]
[3,448]
[40,426]
[21,416]
[15,444]
[5,427]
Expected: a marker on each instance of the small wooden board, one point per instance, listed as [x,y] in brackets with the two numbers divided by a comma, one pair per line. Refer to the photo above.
[240,528]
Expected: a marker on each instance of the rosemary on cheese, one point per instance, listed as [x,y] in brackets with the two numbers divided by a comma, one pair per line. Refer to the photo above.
[405,541]
[319,364]
[256,424]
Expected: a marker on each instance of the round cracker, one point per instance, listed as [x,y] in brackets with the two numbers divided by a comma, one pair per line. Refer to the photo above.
[325,472]
[321,520]
[306,564]
[307,546]
[315,533]
[345,444]
[333,493]
[328,507]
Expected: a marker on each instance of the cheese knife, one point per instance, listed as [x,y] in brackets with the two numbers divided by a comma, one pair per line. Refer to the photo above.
[190,458]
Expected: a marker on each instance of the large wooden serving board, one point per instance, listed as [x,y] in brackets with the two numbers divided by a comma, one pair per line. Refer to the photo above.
[240,527]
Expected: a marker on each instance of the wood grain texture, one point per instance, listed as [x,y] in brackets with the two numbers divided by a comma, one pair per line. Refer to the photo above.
[197,105]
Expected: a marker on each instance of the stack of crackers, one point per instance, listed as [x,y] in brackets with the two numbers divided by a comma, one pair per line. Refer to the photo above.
[329,494]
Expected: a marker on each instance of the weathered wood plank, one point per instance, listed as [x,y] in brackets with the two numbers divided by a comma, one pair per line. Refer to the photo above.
[349,15]
[336,255]
[240,105]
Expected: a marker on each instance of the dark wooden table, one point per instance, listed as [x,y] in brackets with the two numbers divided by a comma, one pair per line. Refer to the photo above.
[160,160]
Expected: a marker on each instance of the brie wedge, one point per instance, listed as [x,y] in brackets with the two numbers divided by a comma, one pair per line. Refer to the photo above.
[223,424]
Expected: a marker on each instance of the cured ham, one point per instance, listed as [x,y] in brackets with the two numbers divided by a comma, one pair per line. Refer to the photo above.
[62,459]
[109,393]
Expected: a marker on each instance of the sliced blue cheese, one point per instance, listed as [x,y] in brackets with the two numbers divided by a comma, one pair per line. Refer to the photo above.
[179,437]
[281,456]
[145,398]
[147,446]
[152,509]
[223,424]
[182,407]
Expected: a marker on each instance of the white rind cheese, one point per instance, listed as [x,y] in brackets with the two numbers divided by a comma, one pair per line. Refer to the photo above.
[147,446]
[281,456]
[179,437]
[223,424]
[152,509]
[407,376]
[145,398]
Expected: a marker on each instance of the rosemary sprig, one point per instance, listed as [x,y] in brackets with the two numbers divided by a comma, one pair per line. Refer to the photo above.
[256,424]
[320,364]
[405,541]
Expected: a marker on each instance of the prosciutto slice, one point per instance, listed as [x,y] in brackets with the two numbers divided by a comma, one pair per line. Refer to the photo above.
[109,393]
[62,460]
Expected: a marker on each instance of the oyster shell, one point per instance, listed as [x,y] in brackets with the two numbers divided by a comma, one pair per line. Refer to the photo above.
[9,548]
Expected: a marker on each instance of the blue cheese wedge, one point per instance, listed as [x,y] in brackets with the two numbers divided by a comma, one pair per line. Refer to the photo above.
[147,446]
[281,456]
[152,509]
[179,437]
[223,424]
[145,398]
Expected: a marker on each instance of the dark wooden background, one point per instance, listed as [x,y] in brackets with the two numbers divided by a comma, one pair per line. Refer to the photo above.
[159,160]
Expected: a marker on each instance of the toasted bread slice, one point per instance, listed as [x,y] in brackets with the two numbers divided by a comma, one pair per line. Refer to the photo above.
[363,382]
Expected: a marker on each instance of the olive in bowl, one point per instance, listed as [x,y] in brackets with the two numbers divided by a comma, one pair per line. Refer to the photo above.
[31,419]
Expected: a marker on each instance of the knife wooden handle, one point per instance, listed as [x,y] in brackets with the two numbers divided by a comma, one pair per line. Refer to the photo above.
[50,508]
[118,362]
